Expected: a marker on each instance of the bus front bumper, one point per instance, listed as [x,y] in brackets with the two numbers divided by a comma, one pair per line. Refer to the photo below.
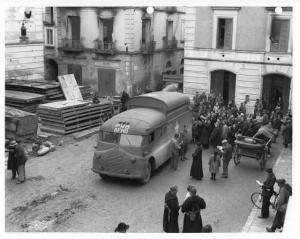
[118,174]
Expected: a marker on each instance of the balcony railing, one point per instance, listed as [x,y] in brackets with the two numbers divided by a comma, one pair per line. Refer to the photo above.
[104,47]
[148,47]
[72,45]
[169,44]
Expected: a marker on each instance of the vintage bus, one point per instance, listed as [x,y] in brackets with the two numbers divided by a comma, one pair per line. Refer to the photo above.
[134,143]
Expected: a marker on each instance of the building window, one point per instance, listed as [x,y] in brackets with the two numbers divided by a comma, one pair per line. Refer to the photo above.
[146,30]
[279,37]
[107,30]
[224,35]
[49,15]
[73,30]
[49,36]
[224,27]
[169,30]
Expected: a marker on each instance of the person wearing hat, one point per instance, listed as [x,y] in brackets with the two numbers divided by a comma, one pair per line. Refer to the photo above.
[267,192]
[196,171]
[122,227]
[12,162]
[20,158]
[191,207]
[171,211]
[285,191]
[226,151]
[175,147]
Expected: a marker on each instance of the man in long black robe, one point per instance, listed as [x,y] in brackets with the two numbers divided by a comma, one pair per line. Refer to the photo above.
[196,168]
[170,217]
[194,203]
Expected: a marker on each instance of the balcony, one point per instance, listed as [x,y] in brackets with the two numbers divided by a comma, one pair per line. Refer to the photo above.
[102,47]
[148,47]
[72,45]
[169,44]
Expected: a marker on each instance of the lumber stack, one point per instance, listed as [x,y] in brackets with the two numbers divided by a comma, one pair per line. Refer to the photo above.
[65,117]
[51,90]
[23,100]
[19,124]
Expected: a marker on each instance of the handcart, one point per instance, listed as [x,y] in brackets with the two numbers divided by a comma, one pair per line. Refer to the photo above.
[254,147]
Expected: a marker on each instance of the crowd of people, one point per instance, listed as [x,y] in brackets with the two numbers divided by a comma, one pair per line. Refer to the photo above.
[214,120]
[217,125]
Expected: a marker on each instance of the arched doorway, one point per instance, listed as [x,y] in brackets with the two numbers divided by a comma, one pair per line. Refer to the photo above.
[223,82]
[276,86]
[51,71]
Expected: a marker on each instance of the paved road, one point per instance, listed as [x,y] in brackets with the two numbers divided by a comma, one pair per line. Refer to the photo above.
[63,194]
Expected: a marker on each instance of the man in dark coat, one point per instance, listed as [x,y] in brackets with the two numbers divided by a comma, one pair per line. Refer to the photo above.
[204,139]
[287,133]
[171,211]
[21,158]
[191,207]
[285,191]
[267,192]
[196,168]
[12,161]
[216,135]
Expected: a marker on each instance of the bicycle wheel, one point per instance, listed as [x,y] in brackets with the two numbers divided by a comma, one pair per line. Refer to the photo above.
[256,199]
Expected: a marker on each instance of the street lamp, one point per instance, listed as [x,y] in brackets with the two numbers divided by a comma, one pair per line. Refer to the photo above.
[150,10]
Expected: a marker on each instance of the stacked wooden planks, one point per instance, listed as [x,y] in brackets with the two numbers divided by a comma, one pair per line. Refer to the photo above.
[23,100]
[65,117]
[19,124]
[51,90]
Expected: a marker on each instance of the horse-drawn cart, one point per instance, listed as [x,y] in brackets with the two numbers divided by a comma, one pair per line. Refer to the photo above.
[253,147]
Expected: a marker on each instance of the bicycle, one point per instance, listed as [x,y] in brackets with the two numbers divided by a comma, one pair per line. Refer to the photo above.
[256,198]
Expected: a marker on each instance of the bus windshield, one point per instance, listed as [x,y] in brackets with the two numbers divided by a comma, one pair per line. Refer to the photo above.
[122,139]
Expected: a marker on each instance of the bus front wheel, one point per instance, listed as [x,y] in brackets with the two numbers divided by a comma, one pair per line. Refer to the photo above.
[147,177]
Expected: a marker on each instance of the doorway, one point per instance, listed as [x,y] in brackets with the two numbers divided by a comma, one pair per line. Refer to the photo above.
[51,70]
[77,71]
[106,82]
[276,87]
[223,82]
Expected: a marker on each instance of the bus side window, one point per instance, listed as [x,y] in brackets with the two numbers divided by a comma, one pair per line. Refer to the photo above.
[158,133]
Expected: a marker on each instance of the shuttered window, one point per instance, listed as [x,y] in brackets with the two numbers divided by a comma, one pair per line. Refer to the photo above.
[279,35]
[224,37]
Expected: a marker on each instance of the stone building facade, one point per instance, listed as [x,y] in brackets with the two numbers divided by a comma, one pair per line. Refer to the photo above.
[240,53]
[24,55]
[113,48]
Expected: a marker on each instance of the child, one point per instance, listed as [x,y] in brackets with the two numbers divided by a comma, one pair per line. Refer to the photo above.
[214,164]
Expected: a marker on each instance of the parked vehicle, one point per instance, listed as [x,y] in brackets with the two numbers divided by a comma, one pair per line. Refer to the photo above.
[136,142]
